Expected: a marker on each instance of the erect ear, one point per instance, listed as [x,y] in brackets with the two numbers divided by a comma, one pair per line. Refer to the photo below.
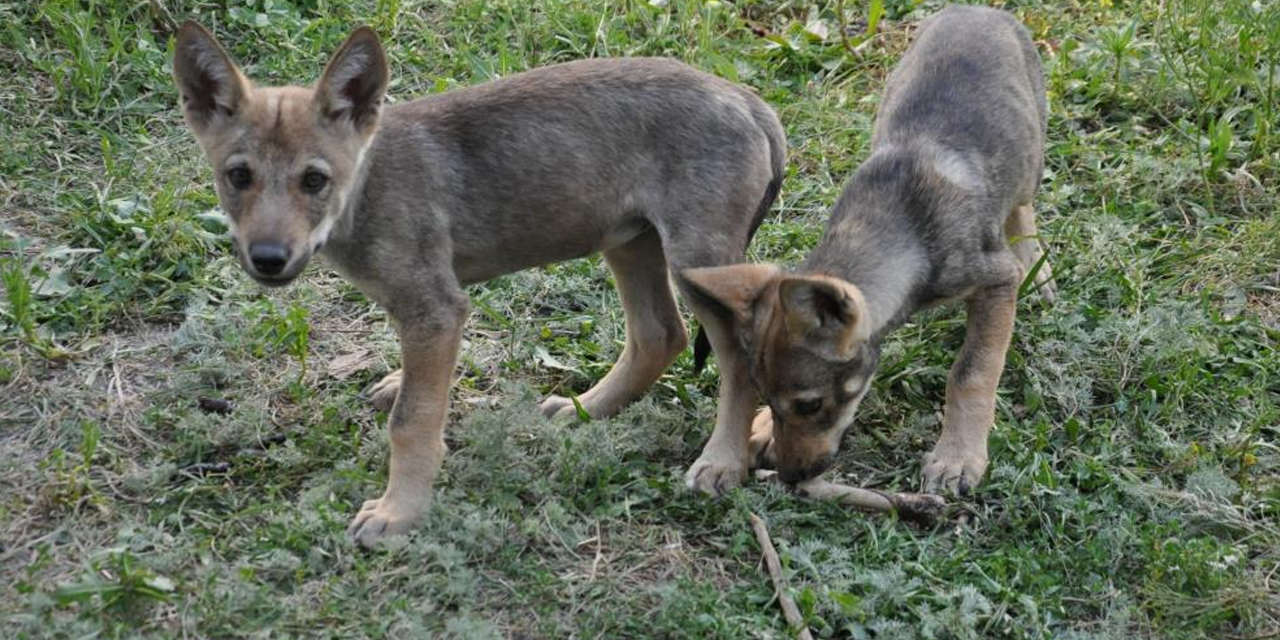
[827,313]
[352,86]
[210,84]
[735,287]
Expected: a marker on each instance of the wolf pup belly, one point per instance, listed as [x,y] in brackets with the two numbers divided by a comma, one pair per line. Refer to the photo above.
[657,165]
[941,210]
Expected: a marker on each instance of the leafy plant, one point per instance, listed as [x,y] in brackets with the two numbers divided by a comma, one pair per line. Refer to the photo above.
[117,583]
[21,303]
[1132,487]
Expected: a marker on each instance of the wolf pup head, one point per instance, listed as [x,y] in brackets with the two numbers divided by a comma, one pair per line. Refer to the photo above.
[284,159]
[811,360]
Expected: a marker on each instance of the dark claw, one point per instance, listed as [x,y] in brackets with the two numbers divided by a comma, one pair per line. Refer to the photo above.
[359,534]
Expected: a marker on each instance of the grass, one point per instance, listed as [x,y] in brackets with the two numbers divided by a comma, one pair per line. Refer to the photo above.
[1134,490]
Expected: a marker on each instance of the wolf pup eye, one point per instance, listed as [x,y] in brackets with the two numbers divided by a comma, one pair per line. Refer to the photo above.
[807,407]
[314,181]
[239,177]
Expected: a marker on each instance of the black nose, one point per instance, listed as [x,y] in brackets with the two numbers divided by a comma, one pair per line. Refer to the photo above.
[794,475]
[269,258]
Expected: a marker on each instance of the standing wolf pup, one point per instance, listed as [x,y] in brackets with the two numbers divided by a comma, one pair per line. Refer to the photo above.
[940,211]
[649,161]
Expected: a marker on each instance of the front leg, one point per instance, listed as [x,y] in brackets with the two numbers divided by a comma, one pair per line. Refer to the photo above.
[429,343]
[959,459]
[724,460]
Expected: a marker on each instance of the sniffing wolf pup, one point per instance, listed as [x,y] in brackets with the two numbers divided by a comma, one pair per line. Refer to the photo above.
[940,211]
[651,162]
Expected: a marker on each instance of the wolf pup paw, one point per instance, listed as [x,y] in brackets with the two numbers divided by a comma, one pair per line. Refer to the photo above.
[715,474]
[1045,285]
[379,519]
[760,447]
[557,407]
[953,470]
[383,395]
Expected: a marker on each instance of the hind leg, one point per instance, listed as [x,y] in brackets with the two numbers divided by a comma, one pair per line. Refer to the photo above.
[655,331]
[1020,229]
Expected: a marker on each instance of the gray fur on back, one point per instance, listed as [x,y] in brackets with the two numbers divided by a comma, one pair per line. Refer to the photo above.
[558,163]
[958,142]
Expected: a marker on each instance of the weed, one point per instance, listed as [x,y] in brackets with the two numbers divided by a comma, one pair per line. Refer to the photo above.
[117,583]
[1133,490]
[71,484]
[17,288]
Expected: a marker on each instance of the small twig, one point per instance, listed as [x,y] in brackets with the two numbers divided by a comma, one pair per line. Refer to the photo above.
[595,564]
[165,16]
[844,29]
[23,546]
[877,435]
[202,469]
[789,609]
[918,507]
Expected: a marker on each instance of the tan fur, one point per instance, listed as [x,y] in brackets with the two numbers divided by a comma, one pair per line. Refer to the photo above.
[655,331]
[1020,228]
[735,286]
[960,456]
[940,211]
[655,164]
[301,128]
[725,460]
[417,430]
[806,321]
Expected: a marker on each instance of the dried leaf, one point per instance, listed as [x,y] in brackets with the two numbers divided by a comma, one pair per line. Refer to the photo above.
[345,366]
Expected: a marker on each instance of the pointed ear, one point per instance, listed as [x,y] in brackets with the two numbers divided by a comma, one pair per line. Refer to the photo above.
[735,287]
[352,86]
[210,83]
[827,313]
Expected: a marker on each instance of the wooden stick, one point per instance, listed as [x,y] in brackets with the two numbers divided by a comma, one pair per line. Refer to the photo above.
[789,609]
[165,15]
[918,507]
